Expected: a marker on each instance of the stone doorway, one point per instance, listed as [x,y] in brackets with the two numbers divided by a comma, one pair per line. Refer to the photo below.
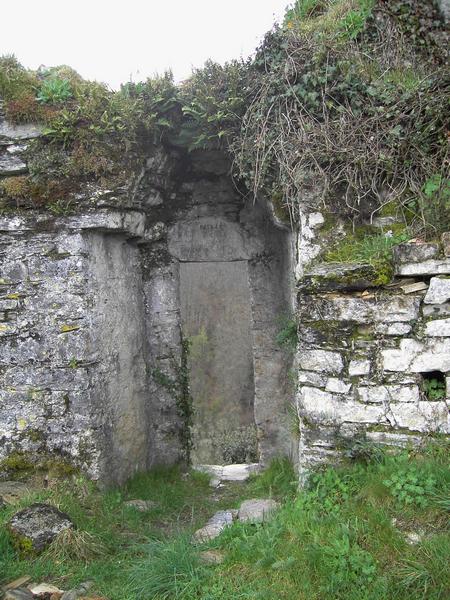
[217,320]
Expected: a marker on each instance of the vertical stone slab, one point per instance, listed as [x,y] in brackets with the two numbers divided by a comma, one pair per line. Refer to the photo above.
[164,344]
[215,308]
[119,381]
[270,276]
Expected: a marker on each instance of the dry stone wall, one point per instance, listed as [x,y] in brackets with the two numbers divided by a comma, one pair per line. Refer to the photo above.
[366,354]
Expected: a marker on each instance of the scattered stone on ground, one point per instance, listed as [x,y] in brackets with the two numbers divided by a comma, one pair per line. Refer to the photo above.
[2,503]
[219,473]
[256,510]
[43,590]
[18,594]
[38,525]
[414,537]
[411,537]
[212,557]
[13,491]
[140,505]
[215,525]
[78,592]
[17,583]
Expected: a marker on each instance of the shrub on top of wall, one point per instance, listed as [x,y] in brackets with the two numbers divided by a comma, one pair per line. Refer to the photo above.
[348,93]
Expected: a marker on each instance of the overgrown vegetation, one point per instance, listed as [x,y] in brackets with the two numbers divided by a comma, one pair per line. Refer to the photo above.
[343,105]
[238,445]
[367,247]
[287,336]
[339,113]
[374,529]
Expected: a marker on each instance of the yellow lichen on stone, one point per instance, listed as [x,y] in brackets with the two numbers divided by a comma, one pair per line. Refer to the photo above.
[21,424]
[67,328]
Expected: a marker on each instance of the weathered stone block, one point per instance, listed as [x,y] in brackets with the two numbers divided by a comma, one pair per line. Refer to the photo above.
[439,291]
[25,131]
[390,438]
[414,253]
[438,328]
[215,525]
[35,527]
[12,165]
[359,367]
[421,416]
[338,386]
[386,309]
[257,510]
[427,267]
[338,276]
[418,357]
[436,310]
[324,407]
[312,378]
[322,361]
[389,393]
[393,328]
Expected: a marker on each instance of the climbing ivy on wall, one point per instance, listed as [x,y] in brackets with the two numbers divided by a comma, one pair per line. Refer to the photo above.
[179,388]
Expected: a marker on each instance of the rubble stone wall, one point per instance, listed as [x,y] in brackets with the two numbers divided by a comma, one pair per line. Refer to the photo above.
[366,352]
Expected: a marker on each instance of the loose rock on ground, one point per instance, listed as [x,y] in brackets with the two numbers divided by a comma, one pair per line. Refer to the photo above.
[35,527]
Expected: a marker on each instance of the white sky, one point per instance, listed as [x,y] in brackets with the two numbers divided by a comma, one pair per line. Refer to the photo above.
[113,40]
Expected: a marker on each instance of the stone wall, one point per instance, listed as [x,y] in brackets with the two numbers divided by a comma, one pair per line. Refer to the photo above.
[93,339]
[365,351]
[72,348]
[97,309]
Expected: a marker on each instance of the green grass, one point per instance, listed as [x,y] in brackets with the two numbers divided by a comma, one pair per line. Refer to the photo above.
[342,18]
[369,248]
[344,537]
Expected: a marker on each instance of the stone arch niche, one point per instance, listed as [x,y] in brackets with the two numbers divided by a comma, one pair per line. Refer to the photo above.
[219,277]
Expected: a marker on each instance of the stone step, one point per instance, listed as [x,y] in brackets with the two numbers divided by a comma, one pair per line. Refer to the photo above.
[237,472]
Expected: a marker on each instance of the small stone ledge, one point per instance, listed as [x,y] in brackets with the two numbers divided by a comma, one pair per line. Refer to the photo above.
[424,268]
[336,276]
[11,133]
[385,308]
[131,223]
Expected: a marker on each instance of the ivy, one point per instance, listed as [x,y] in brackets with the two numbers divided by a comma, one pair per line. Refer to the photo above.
[179,389]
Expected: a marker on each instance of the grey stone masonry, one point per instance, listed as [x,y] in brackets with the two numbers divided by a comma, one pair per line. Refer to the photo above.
[96,364]
[363,356]
[72,370]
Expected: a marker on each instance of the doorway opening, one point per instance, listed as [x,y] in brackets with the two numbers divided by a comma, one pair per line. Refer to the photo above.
[217,320]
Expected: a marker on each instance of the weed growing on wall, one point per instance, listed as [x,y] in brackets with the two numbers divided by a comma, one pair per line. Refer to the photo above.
[238,445]
[287,336]
[366,247]
[434,389]
[179,388]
